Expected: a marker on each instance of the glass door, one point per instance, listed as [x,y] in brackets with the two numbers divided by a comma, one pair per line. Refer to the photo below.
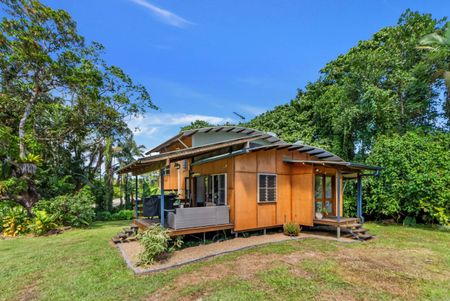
[324,194]
[219,186]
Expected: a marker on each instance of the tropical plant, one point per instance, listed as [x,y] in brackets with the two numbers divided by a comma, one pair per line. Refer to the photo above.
[155,241]
[15,221]
[291,229]
[439,41]
[42,223]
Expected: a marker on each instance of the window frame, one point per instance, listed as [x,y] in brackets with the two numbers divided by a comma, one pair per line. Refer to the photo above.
[258,188]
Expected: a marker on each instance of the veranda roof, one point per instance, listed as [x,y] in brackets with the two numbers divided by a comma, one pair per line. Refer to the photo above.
[156,162]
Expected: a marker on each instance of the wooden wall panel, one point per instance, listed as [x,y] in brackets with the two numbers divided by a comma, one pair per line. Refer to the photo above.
[283,199]
[245,163]
[302,199]
[266,161]
[283,168]
[245,201]
[266,215]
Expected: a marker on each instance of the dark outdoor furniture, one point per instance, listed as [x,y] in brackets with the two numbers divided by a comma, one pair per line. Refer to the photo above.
[152,205]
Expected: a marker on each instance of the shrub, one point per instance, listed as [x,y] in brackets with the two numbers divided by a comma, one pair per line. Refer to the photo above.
[123,215]
[15,221]
[75,210]
[42,223]
[291,229]
[155,241]
[415,180]
[103,216]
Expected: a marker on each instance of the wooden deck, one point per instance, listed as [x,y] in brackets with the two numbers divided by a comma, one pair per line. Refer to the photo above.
[143,224]
[332,221]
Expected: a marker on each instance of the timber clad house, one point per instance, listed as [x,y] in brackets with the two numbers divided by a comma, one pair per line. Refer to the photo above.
[236,178]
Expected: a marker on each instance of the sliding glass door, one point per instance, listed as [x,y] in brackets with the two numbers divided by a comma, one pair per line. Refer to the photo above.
[219,189]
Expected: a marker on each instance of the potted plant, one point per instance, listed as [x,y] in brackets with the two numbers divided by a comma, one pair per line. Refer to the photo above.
[325,211]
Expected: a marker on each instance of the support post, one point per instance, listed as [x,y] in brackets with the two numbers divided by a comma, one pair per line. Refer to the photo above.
[359,213]
[338,194]
[162,197]
[136,207]
[338,197]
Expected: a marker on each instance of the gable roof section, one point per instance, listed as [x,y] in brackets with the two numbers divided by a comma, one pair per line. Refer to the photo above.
[150,163]
[233,147]
[216,129]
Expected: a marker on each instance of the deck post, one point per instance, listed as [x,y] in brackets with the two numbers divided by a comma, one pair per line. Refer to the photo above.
[359,200]
[136,207]
[338,197]
[161,172]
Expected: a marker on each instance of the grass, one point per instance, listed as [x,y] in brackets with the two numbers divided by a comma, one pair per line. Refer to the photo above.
[401,264]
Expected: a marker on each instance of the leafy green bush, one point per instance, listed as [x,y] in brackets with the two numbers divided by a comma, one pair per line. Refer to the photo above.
[15,221]
[103,216]
[75,210]
[42,222]
[123,215]
[291,229]
[155,241]
[415,181]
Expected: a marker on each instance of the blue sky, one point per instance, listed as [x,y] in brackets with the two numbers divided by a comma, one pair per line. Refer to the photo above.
[205,59]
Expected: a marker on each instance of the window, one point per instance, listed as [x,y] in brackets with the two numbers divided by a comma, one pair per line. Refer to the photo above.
[184,164]
[219,187]
[267,185]
[167,170]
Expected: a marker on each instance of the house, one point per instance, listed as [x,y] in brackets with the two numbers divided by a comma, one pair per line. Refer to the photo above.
[231,177]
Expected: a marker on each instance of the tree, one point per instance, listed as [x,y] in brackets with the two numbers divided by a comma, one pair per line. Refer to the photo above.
[382,86]
[60,100]
[197,124]
[438,42]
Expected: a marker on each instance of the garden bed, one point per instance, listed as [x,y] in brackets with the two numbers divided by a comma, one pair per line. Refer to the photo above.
[130,251]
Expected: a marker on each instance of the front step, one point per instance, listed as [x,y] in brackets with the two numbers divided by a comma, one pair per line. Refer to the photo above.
[351,226]
[128,234]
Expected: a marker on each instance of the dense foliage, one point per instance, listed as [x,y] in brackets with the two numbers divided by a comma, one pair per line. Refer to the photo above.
[71,210]
[415,181]
[63,110]
[382,86]
[368,105]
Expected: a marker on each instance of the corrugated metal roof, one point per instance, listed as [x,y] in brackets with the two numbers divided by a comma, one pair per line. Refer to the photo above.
[154,162]
[349,165]
[216,129]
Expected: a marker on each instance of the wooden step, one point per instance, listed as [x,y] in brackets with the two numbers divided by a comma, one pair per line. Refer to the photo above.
[122,235]
[351,226]
[365,236]
[116,240]
[359,230]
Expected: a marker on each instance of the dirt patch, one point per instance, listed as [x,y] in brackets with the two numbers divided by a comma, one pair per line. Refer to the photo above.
[393,271]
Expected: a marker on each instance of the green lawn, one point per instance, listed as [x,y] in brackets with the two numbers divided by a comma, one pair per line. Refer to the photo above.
[402,264]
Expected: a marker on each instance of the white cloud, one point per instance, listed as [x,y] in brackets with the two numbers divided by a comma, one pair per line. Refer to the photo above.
[164,15]
[152,125]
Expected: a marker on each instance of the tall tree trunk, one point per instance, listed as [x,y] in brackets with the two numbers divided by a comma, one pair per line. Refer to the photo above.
[108,174]
[22,124]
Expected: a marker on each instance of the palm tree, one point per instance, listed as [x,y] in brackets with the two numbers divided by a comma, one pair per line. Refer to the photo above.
[437,41]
